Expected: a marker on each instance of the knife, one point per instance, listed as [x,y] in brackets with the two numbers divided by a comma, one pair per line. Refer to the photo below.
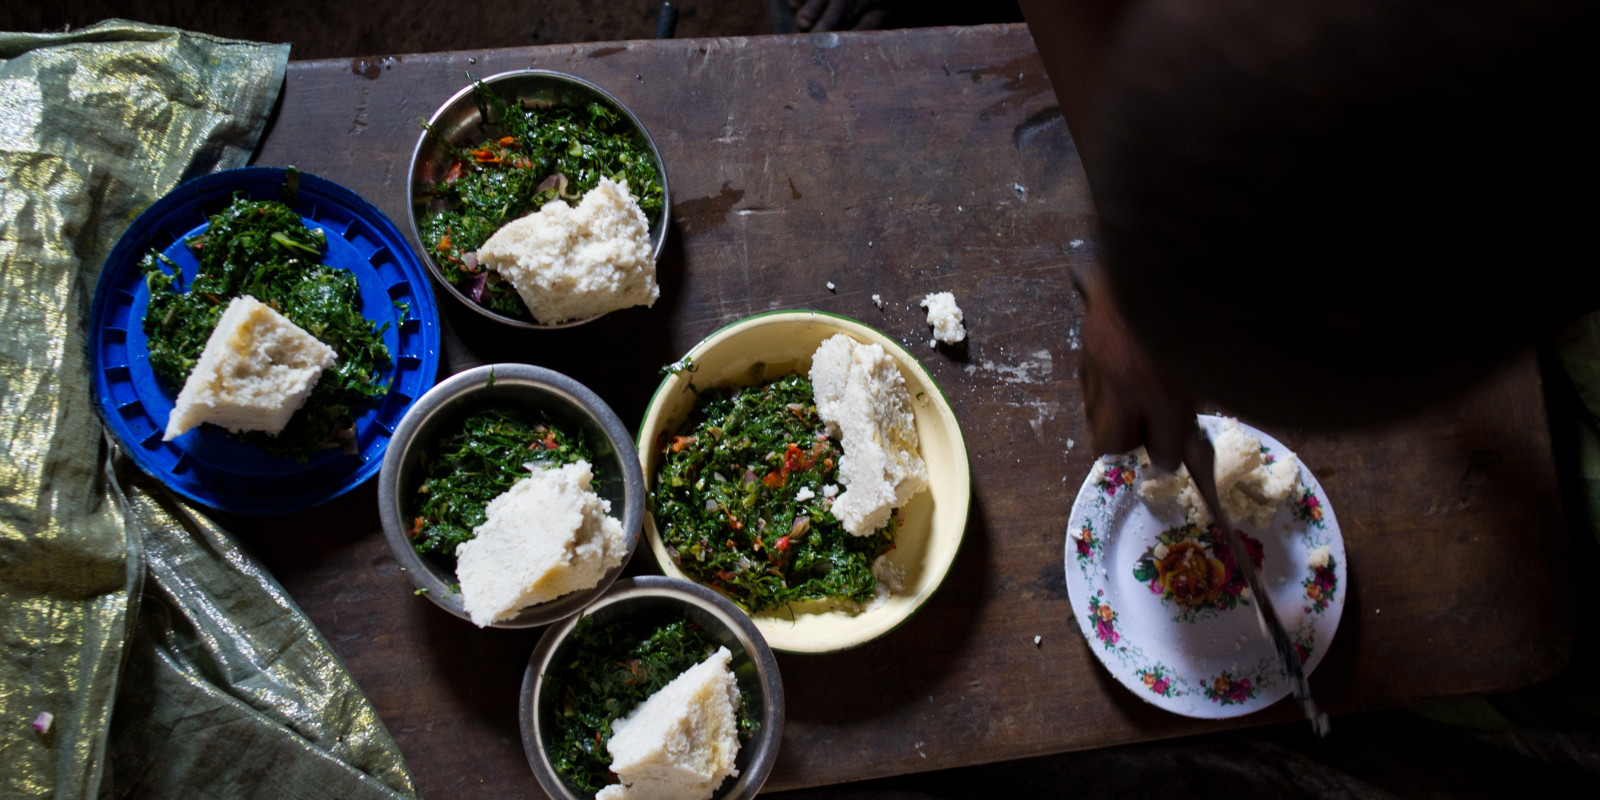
[1202,462]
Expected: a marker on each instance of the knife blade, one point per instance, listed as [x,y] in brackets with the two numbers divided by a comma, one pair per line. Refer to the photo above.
[1201,460]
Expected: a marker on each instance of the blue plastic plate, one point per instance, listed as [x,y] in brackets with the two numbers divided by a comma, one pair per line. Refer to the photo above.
[207,464]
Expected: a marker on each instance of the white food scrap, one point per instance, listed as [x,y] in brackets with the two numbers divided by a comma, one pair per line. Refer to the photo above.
[945,316]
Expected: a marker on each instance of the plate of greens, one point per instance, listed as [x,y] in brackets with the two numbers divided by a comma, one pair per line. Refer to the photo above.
[316,252]
[504,147]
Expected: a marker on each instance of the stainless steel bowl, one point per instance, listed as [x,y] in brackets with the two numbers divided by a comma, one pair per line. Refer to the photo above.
[511,386]
[461,123]
[753,666]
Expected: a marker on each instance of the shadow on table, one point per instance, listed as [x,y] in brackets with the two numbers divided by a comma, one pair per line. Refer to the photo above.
[619,356]
[898,668]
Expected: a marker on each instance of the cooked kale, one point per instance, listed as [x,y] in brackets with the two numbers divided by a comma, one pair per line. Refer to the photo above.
[478,463]
[726,501]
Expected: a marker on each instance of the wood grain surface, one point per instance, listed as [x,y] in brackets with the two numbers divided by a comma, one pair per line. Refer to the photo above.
[900,163]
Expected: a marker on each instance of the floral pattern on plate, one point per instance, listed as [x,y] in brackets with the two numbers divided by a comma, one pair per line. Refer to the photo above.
[1194,572]
[1229,689]
[1131,565]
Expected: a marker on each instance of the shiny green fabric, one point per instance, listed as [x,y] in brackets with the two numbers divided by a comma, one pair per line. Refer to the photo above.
[227,689]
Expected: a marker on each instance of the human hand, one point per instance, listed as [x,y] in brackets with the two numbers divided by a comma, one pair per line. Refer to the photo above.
[818,16]
[1127,399]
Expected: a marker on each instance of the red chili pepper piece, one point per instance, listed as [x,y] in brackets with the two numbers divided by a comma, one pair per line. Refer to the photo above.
[793,459]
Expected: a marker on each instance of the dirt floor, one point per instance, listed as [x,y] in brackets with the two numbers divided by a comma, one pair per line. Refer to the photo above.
[320,29]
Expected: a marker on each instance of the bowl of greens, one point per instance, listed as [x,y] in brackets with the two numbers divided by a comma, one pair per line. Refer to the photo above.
[743,478]
[469,441]
[318,254]
[503,148]
[593,669]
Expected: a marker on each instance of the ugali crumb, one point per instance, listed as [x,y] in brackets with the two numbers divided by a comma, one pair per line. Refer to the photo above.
[945,317]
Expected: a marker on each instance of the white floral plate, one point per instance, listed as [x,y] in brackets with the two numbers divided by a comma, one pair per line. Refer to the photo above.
[1208,659]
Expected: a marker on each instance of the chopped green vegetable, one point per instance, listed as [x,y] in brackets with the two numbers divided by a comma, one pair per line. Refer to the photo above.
[685,364]
[478,463]
[610,670]
[545,154]
[262,248]
[728,501]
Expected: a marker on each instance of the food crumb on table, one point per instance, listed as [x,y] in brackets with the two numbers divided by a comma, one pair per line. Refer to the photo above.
[945,317]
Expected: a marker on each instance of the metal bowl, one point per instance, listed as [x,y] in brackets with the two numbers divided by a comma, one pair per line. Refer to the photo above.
[753,666]
[768,346]
[438,413]
[461,123]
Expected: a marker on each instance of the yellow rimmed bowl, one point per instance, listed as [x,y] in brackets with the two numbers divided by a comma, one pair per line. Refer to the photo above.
[766,347]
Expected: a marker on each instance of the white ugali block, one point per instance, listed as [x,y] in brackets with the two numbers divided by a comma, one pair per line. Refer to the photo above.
[861,394]
[681,742]
[255,372]
[578,262]
[548,535]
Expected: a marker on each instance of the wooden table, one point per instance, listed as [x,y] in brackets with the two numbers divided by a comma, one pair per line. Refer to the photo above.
[900,163]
